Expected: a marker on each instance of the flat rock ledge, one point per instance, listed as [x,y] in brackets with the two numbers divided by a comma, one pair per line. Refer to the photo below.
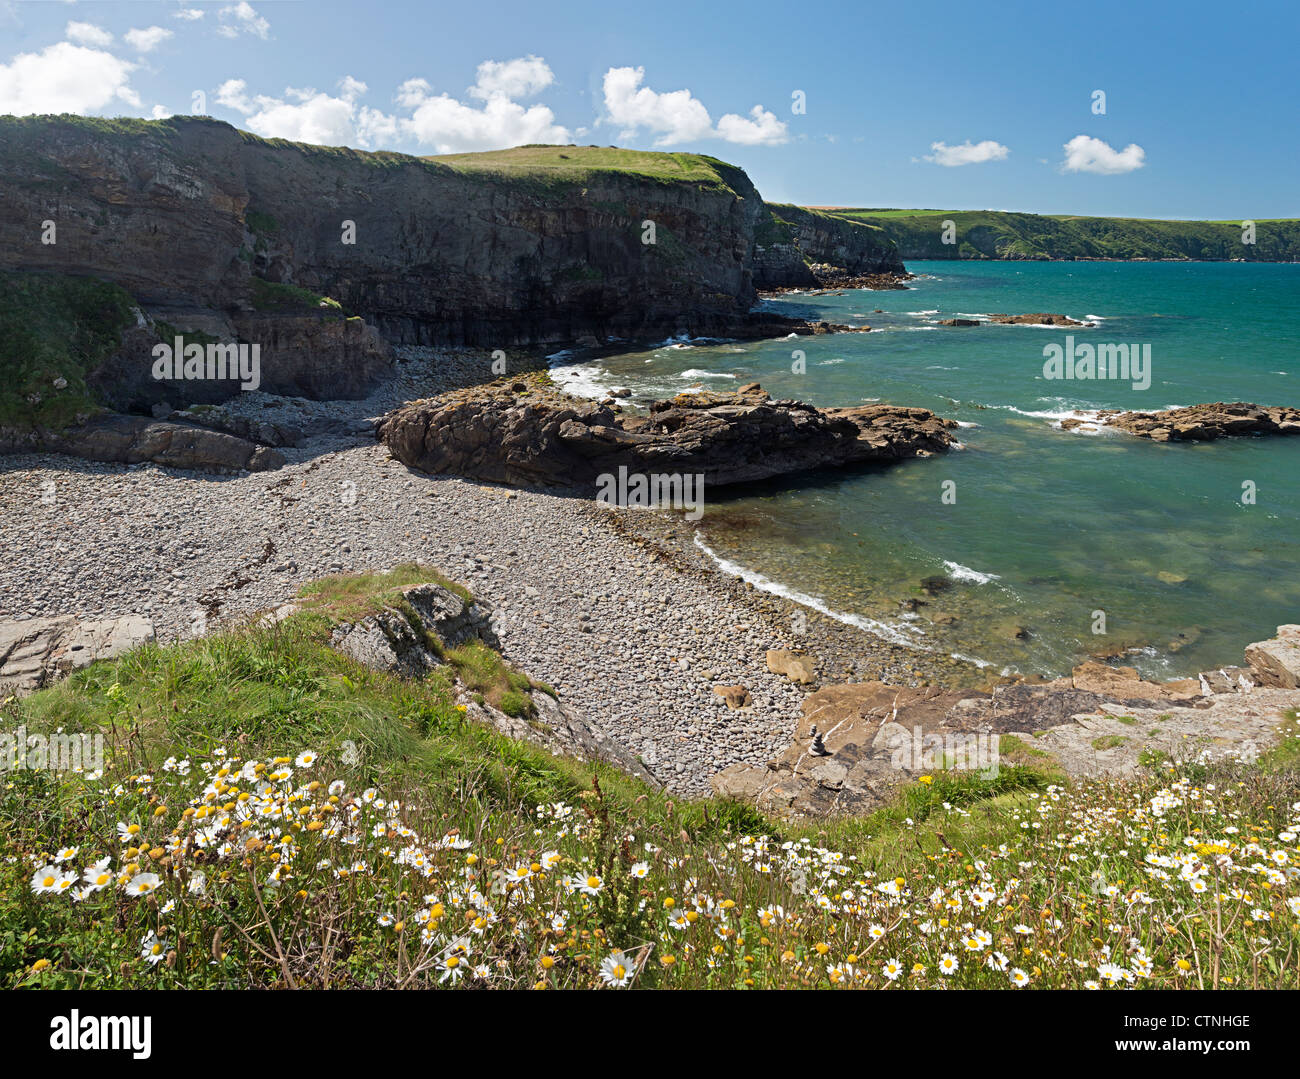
[116,437]
[1201,423]
[406,637]
[36,652]
[854,745]
[1038,319]
[527,433]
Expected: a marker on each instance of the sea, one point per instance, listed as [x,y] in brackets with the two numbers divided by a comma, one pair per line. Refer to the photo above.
[1051,545]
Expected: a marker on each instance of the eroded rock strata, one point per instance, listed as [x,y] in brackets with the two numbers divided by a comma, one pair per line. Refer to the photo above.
[527,433]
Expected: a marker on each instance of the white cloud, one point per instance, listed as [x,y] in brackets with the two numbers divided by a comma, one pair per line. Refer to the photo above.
[762,129]
[1083,153]
[679,116]
[85,33]
[64,78]
[675,117]
[512,78]
[241,18]
[435,122]
[967,153]
[232,94]
[450,126]
[148,39]
[160,112]
[189,14]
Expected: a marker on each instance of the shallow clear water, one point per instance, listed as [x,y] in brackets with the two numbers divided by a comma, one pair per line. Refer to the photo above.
[1048,526]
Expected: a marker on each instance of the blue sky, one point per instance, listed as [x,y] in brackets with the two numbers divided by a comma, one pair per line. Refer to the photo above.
[946,105]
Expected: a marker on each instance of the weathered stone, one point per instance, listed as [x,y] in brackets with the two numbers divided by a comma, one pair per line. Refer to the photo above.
[543,437]
[1277,662]
[796,667]
[735,696]
[38,651]
[132,439]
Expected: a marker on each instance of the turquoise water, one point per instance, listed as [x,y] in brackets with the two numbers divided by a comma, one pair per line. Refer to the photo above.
[1048,526]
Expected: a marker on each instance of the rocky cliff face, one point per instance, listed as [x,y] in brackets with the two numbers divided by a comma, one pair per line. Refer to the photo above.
[799,247]
[186,213]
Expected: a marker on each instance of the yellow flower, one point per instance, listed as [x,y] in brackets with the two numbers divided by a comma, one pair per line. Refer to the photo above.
[40,965]
[927,780]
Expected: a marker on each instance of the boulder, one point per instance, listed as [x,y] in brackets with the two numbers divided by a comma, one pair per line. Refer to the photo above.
[796,667]
[1038,319]
[1277,662]
[116,437]
[735,696]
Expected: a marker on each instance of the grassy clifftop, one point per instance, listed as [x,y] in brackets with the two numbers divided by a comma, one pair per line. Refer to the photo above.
[575,162]
[993,234]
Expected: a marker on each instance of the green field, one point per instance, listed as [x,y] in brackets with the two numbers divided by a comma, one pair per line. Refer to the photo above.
[574,162]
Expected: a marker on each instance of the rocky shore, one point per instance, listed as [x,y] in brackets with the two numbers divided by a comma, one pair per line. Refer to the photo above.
[618,610]
[1201,423]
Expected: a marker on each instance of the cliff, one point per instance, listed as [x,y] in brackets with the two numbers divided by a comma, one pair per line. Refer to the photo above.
[533,245]
[797,247]
[993,234]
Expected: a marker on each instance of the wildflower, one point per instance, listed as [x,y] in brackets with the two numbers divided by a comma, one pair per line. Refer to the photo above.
[66,854]
[305,759]
[641,870]
[891,969]
[152,950]
[615,970]
[948,964]
[452,969]
[1019,978]
[142,884]
[46,879]
[589,885]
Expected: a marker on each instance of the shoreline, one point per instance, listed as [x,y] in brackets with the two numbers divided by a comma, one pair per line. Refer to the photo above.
[633,630]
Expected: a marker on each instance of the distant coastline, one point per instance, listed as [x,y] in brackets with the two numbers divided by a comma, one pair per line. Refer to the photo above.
[1006,235]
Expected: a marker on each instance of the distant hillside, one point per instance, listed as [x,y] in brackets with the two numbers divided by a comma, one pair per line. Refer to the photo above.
[993,234]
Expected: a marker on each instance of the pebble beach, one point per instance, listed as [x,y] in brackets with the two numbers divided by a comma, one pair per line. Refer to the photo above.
[618,610]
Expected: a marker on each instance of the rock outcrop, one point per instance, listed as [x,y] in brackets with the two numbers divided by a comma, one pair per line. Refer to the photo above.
[801,248]
[528,434]
[1205,423]
[1277,662]
[408,638]
[133,439]
[36,652]
[855,744]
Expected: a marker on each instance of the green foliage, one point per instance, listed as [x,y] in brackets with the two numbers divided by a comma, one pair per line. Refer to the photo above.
[54,326]
[275,296]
